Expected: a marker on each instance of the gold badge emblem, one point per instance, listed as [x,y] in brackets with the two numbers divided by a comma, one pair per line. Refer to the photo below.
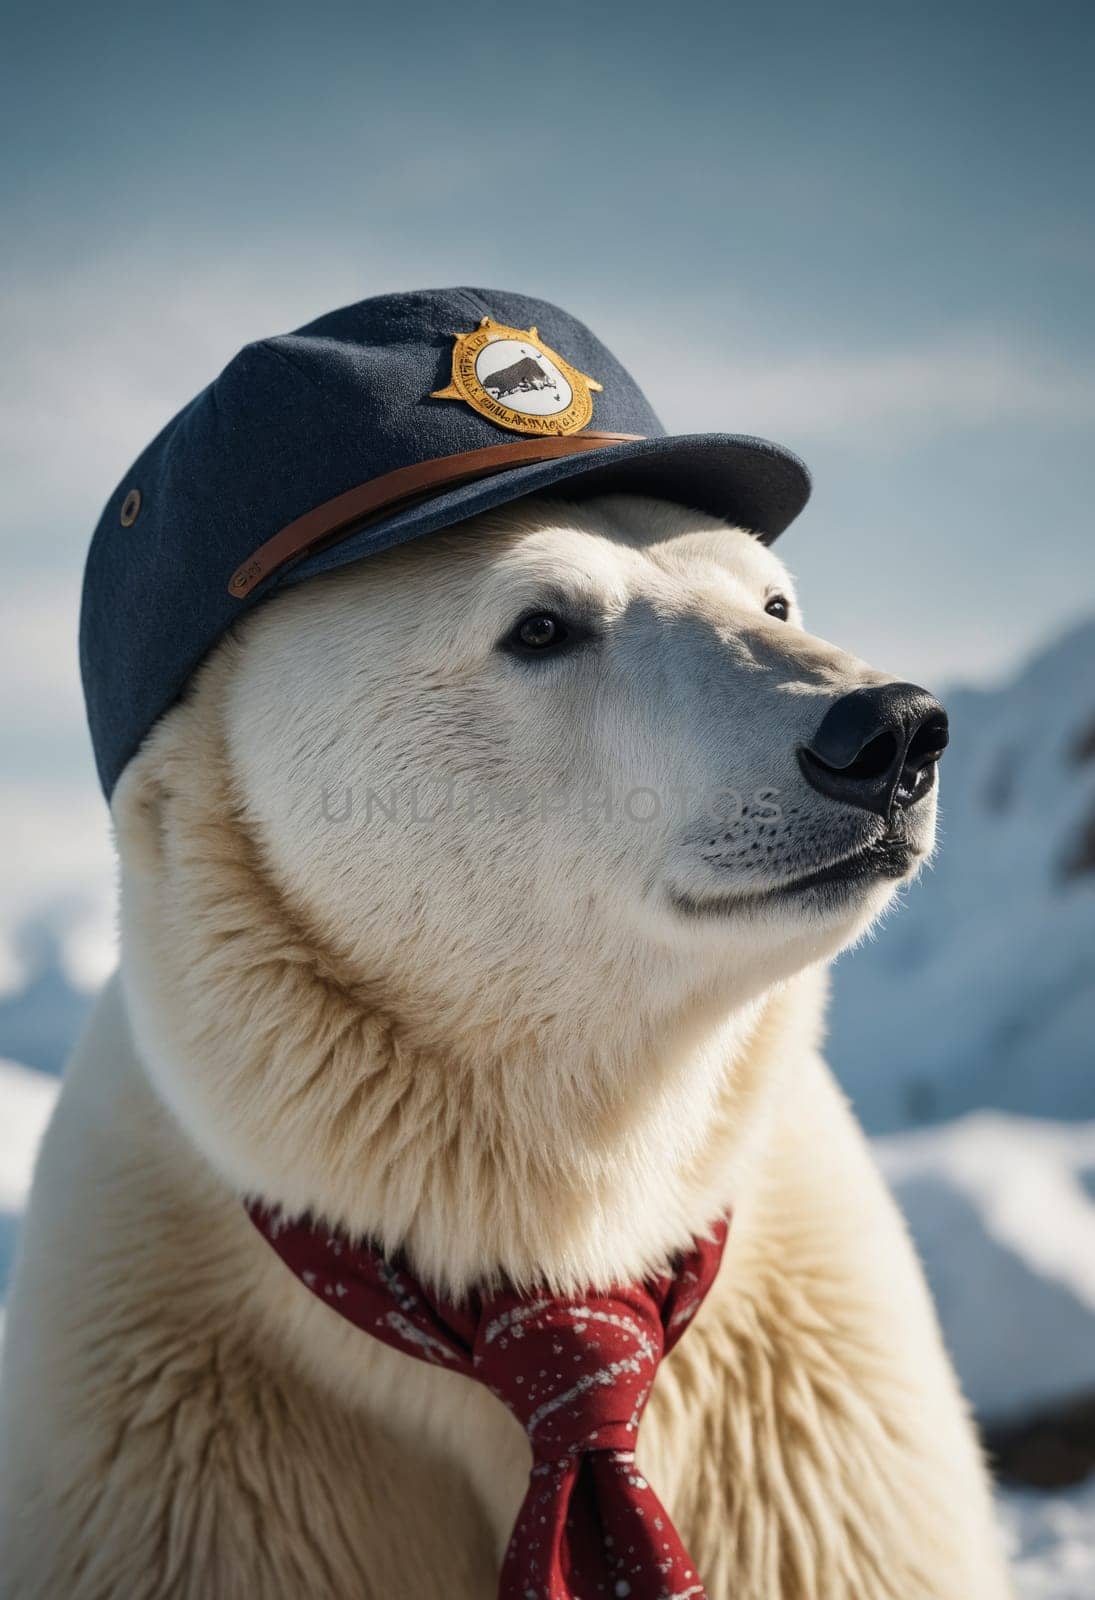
[510,376]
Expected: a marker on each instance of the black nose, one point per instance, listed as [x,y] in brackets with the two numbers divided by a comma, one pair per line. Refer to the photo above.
[877,747]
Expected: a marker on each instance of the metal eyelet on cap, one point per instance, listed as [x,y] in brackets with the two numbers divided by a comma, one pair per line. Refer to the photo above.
[131,508]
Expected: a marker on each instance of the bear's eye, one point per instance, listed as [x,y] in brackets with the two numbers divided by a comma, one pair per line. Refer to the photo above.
[778,605]
[540,632]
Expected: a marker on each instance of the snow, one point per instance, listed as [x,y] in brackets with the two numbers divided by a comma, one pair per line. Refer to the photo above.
[1052,1541]
[1002,1210]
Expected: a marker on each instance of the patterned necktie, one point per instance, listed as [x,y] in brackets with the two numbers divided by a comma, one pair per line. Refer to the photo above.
[576,1372]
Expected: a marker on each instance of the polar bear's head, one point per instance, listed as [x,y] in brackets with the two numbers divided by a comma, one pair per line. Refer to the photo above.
[565,731]
[547,789]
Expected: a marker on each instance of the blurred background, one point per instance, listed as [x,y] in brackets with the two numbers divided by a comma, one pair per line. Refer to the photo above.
[866,231]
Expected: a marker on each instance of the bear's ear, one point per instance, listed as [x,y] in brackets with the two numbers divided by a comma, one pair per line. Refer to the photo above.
[153,786]
[138,809]
[176,780]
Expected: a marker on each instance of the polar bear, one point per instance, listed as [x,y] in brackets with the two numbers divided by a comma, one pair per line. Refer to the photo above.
[478,897]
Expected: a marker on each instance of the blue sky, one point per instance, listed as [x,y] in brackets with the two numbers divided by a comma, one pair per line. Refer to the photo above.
[864,230]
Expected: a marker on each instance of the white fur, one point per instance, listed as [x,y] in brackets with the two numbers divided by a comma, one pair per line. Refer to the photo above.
[397,949]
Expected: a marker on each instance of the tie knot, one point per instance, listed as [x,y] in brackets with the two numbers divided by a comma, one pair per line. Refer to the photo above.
[577,1373]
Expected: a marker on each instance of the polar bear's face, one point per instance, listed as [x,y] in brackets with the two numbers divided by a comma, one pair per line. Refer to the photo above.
[556,739]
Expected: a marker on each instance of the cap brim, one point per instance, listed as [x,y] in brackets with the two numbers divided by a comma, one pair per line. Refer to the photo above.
[750,483]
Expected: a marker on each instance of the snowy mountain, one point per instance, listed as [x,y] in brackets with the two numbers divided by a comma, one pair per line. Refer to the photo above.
[26,1101]
[40,1020]
[980,990]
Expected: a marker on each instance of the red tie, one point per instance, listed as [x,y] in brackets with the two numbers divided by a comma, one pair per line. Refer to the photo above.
[576,1371]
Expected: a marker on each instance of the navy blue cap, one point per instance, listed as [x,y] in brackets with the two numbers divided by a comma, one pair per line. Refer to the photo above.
[378,423]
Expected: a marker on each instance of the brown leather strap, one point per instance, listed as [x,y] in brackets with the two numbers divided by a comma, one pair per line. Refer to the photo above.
[337,518]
